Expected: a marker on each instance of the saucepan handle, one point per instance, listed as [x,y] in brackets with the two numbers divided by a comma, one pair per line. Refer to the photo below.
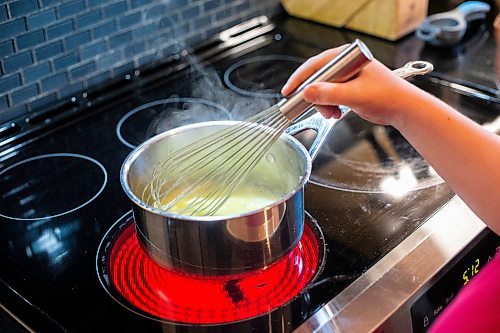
[323,126]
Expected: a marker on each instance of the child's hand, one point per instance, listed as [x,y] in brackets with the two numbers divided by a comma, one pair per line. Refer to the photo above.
[376,94]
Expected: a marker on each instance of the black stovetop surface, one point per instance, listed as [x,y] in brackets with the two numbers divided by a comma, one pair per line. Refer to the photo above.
[60,190]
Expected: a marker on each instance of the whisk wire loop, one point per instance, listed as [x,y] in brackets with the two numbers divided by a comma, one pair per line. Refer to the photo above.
[210,203]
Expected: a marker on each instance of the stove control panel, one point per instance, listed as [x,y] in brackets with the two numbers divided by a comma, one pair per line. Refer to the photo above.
[430,304]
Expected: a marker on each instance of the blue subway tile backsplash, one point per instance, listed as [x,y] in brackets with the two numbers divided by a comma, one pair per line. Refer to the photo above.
[4,104]
[42,18]
[66,61]
[144,31]
[77,40]
[51,2]
[36,72]
[95,3]
[14,112]
[6,48]
[115,9]
[12,28]
[71,8]
[130,20]
[88,19]
[134,49]
[30,39]
[124,69]
[94,50]
[25,93]
[120,39]
[191,13]
[71,89]
[105,29]
[3,13]
[22,7]
[44,102]
[140,3]
[211,5]
[60,29]
[17,61]
[98,79]
[54,82]
[82,70]
[202,22]
[10,82]
[106,61]
[51,50]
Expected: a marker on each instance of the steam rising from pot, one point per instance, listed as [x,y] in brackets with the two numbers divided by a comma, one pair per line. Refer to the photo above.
[203,83]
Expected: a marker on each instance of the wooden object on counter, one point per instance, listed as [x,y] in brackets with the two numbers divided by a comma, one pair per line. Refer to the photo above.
[388,19]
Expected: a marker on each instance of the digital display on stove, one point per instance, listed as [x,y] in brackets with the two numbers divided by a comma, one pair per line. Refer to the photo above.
[450,280]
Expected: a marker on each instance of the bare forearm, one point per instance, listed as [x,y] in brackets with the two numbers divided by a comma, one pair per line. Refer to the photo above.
[465,155]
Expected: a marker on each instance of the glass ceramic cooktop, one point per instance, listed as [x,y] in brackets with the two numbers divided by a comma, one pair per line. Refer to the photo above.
[60,195]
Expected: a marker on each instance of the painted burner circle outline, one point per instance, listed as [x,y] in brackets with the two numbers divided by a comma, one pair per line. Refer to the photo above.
[115,234]
[247,61]
[368,176]
[105,181]
[159,102]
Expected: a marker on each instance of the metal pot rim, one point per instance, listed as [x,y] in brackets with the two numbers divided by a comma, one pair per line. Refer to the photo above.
[301,150]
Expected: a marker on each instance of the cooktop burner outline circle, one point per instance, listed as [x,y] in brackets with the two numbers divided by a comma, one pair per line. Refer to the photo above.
[259,94]
[122,225]
[346,188]
[160,102]
[361,157]
[99,269]
[90,159]
[371,191]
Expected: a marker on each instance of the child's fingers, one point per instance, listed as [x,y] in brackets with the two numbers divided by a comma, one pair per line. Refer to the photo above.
[322,93]
[329,111]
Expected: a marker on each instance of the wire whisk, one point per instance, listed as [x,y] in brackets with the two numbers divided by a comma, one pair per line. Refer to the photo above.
[199,178]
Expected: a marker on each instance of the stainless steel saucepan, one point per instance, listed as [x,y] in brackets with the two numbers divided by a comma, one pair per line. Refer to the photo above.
[214,245]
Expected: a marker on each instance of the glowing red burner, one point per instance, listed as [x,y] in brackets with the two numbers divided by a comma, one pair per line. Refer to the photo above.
[193,299]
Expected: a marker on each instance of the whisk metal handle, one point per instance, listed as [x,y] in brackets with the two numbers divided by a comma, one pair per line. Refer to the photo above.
[340,69]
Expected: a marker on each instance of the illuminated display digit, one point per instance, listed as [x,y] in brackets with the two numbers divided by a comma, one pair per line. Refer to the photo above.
[465,277]
[476,267]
